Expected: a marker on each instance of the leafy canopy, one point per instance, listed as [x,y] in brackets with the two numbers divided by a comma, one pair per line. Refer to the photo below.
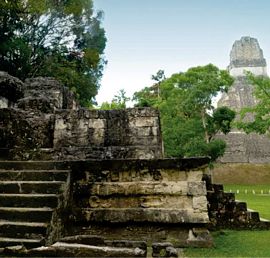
[189,121]
[58,38]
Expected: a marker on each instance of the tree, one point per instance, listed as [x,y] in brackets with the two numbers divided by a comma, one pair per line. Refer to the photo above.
[149,96]
[119,101]
[159,77]
[257,118]
[189,121]
[56,38]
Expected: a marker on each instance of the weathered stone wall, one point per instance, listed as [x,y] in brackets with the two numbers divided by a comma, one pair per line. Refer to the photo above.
[243,148]
[40,119]
[159,200]
[125,133]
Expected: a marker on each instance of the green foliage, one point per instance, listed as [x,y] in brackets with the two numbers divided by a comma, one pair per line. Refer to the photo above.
[159,76]
[61,39]
[222,118]
[118,102]
[150,96]
[257,118]
[238,243]
[145,98]
[185,104]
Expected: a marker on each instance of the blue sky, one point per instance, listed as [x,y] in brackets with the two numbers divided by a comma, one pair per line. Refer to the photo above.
[174,35]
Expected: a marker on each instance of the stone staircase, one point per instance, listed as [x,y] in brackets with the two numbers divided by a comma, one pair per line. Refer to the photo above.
[31,193]
[225,212]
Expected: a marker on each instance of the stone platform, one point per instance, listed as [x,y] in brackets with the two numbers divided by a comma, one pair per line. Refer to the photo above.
[129,204]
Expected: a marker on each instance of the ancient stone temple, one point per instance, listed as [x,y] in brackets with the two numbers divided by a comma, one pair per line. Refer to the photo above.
[246,55]
[86,183]
[89,183]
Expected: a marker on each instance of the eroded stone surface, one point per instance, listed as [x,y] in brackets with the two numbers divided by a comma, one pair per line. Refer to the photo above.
[132,196]
[247,52]
[11,88]
[164,249]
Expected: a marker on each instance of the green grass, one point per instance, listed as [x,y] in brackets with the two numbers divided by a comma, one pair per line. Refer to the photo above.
[235,244]
[256,196]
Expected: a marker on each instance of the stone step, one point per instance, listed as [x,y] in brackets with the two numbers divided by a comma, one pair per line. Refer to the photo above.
[35,165]
[33,175]
[24,187]
[26,214]
[20,229]
[141,215]
[240,206]
[253,216]
[29,200]
[28,243]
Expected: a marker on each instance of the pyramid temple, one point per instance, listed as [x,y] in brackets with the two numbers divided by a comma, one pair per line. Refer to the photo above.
[246,55]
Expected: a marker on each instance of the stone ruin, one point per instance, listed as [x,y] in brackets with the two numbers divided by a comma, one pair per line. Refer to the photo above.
[86,183]
[40,119]
[83,182]
[246,55]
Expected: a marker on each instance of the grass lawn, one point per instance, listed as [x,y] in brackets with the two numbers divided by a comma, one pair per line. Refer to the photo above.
[256,196]
[235,244]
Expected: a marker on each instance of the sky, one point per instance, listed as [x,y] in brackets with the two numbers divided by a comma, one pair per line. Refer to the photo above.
[144,36]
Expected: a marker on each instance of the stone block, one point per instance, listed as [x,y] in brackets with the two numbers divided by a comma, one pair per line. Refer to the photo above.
[241,206]
[218,188]
[197,188]
[199,237]
[84,239]
[4,103]
[98,137]
[143,122]
[194,176]
[140,188]
[60,124]
[81,250]
[166,202]
[174,175]
[254,216]
[11,88]
[164,249]
[97,123]
[141,215]
[200,203]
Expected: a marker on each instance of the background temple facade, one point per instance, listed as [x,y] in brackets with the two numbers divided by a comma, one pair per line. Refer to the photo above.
[246,55]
